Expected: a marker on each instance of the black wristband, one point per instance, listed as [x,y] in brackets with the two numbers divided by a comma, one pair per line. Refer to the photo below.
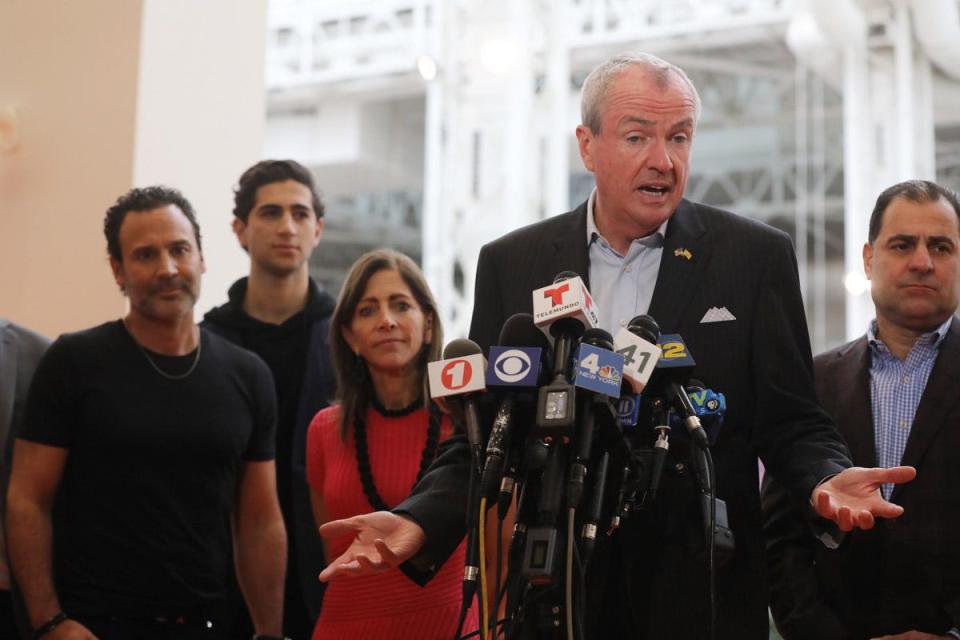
[49,625]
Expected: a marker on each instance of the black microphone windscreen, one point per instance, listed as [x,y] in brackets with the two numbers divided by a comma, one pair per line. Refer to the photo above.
[598,338]
[645,327]
[461,347]
[520,331]
[565,275]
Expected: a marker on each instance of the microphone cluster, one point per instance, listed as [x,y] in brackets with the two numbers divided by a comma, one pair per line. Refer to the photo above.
[567,400]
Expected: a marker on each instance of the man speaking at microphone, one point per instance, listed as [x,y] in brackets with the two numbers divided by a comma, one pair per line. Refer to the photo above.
[729,287]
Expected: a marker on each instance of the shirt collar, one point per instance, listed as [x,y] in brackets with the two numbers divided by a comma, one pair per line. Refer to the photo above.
[655,239]
[932,338]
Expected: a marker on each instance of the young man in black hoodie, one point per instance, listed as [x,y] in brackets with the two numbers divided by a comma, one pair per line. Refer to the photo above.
[281,314]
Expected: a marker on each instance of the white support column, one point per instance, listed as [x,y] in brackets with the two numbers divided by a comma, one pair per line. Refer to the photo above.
[437,266]
[905,121]
[200,116]
[556,187]
[858,159]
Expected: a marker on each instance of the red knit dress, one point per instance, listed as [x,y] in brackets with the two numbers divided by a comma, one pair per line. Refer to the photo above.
[387,605]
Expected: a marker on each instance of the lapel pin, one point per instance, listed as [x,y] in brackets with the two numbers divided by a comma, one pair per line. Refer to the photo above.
[683,253]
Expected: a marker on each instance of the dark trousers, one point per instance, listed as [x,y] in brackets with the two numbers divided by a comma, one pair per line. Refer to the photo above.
[113,628]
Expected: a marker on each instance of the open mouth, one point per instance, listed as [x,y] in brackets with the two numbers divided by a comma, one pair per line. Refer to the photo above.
[656,190]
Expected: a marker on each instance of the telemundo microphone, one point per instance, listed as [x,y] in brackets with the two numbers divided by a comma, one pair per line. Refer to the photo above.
[515,370]
[563,311]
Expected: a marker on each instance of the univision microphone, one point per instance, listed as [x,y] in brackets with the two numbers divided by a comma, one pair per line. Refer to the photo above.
[517,364]
[710,406]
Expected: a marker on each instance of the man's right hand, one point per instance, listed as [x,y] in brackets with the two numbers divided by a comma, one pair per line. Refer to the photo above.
[381,541]
[69,630]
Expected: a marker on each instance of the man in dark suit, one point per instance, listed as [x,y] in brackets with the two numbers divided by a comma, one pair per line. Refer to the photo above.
[893,393]
[643,247]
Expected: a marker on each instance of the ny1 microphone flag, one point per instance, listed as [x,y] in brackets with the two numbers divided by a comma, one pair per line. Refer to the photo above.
[566,299]
[456,376]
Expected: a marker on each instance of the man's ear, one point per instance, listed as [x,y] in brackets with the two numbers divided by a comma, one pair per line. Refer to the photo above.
[239,230]
[584,138]
[868,259]
[118,276]
[318,232]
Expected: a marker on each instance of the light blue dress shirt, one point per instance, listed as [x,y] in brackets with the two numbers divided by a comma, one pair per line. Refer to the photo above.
[896,387]
[622,286]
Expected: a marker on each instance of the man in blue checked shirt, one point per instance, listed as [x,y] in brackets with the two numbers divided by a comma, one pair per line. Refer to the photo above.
[895,395]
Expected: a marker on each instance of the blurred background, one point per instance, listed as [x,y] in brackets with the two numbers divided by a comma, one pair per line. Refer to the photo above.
[434,126]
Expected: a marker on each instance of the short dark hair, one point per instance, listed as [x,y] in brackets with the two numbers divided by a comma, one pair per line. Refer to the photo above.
[144,199]
[268,172]
[918,191]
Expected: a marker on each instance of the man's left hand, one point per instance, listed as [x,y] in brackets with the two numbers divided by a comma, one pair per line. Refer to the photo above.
[852,498]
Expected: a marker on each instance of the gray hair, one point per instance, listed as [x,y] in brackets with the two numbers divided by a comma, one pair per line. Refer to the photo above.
[597,84]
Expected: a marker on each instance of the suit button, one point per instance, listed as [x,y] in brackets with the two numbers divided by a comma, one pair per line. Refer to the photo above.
[680,468]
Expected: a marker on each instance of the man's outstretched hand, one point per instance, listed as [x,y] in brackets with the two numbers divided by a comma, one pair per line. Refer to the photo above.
[852,498]
[381,540]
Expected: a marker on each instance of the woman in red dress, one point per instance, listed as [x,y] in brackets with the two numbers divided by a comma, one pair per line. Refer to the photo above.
[366,452]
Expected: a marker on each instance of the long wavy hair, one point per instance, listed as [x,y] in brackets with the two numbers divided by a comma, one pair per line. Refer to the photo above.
[354,388]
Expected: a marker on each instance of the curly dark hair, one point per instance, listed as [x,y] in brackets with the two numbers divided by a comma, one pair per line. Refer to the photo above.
[144,199]
[268,172]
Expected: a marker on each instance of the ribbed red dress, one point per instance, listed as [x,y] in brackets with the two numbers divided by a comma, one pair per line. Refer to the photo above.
[387,605]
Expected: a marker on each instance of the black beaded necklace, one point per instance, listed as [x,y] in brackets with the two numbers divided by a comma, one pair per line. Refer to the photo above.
[363,455]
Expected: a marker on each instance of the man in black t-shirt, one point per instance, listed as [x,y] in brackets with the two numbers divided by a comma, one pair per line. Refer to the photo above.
[144,439]
[281,314]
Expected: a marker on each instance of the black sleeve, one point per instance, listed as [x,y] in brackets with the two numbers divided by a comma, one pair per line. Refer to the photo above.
[262,444]
[794,436]
[437,504]
[796,603]
[51,411]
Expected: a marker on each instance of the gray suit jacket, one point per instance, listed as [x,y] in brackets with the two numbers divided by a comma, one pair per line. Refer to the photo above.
[20,351]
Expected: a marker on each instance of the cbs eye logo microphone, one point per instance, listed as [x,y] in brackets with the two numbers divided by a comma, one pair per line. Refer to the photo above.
[513,366]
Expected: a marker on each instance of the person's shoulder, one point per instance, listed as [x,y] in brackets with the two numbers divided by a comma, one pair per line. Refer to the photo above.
[548,228]
[326,421]
[720,220]
[94,337]
[26,338]
[229,353]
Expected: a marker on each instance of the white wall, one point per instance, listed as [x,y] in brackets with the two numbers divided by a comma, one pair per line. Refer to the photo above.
[112,94]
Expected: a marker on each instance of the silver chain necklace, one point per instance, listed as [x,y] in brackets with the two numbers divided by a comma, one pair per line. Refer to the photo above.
[168,376]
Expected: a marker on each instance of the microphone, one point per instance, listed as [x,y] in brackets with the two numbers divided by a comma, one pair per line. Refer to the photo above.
[637,343]
[514,369]
[675,363]
[458,377]
[563,310]
[709,405]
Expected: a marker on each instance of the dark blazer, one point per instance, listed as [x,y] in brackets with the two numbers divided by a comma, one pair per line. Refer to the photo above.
[653,587]
[905,573]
